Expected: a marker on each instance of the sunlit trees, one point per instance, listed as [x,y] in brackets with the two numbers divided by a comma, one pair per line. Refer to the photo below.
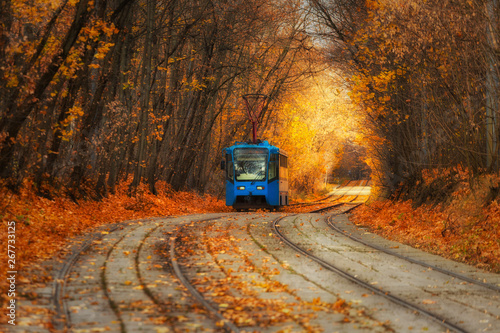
[311,125]
[424,75]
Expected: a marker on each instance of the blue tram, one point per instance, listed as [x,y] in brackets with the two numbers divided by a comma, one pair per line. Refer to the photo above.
[256,176]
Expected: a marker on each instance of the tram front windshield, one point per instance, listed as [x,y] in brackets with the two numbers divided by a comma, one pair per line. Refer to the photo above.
[250,164]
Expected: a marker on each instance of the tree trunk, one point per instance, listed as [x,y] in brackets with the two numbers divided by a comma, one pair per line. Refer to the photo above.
[12,123]
[492,85]
[145,97]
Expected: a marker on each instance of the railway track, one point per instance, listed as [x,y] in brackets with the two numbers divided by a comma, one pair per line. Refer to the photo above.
[226,324]
[337,203]
[322,200]
[62,317]
[248,272]
[345,274]
[123,281]
[483,298]
[438,319]
[123,263]
[255,312]
[106,280]
[392,252]
[331,201]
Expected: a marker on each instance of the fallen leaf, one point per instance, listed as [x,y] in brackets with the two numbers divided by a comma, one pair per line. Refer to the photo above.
[428,301]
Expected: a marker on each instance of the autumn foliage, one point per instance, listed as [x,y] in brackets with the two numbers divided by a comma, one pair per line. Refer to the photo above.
[425,75]
[101,90]
[312,131]
[101,95]
[44,226]
[463,224]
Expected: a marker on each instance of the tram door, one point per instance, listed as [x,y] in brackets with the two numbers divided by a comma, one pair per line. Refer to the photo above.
[283,180]
[230,195]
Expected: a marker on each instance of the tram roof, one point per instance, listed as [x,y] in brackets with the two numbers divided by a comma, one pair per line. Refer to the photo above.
[262,144]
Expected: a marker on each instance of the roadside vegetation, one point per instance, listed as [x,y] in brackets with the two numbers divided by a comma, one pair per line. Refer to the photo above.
[96,92]
[426,78]
[459,222]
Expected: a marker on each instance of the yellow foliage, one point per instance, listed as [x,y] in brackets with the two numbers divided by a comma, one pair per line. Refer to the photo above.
[311,128]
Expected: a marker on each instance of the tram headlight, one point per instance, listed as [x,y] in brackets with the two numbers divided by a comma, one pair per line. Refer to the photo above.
[240,187]
[260,187]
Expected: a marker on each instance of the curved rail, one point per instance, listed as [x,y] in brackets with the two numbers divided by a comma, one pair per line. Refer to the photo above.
[320,200]
[324,209]
[445,323]
[112,303]
[62,317]
[61,320]
[415,261]
[229,326]
[328,196]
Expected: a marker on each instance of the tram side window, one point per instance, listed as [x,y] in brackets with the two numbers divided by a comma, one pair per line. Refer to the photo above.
[273,167]
[283,167]
[229,168]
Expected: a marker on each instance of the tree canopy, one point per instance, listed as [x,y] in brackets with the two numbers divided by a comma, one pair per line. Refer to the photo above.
[104,90]
[426,77]
[140,91]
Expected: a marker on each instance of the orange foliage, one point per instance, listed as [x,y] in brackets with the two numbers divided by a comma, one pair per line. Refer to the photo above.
[312,130]
[44,226]
[466,229]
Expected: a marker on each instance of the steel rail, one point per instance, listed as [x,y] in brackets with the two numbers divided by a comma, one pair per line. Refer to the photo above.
[319,201]
[325,209]
[62,317]
[415,261]
[229,326]
[104,282]
[145,290]
[442,321]
[340,204]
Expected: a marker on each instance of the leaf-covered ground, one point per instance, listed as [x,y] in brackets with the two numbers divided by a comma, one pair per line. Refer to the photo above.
[466,227]
[243,291]
[43,226]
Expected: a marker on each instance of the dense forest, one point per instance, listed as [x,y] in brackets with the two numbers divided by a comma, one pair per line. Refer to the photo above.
[107,91]
[102,90]
[425,74]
